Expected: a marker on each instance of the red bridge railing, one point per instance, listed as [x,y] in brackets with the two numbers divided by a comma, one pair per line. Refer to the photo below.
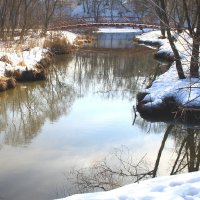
[77,22]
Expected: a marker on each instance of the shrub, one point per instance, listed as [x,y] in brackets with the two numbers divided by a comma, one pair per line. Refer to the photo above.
[6,59]
[58,45]
[3,85]
[7,83]
[11,83]
[22,63]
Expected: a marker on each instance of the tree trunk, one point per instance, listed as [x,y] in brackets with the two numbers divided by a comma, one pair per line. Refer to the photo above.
[167,132]
[179,68]
[162,29]
[190,148]
[187,17]
[160,15]
[194,63]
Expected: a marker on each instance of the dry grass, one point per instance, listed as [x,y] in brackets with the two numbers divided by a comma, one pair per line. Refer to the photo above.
[21,63]
[3,85]
[22,76]
[7,83]
[6,59]
[11,83]
[84,39]
[58,45]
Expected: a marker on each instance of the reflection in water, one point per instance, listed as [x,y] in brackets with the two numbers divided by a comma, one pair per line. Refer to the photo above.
[117,74]
[120,78]
[120,74]
[187,149]
[98,88]
[121,167]
[75,118]
[22,117]
[109,74]
[187,145]
[115,40]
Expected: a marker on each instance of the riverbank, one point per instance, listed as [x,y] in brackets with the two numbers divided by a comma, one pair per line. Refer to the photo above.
[184,186]
[169,98]
[27,61]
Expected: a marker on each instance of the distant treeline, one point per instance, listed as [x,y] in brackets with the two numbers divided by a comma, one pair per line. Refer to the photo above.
[19,16]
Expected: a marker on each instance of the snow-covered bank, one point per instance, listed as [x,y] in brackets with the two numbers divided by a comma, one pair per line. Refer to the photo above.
[27,65]
[71,37]
[27,61]
[178,187]
[185,92]
[16,59]
[154,38]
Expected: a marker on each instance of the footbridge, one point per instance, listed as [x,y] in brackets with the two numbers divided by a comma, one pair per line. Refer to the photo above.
[101,21]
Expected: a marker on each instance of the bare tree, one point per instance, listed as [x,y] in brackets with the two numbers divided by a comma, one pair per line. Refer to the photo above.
[3,15]
[19,16]
[187,150]
[165,20]
[194,63]
[14,13]
[180,13]
[126,169]
[104,175]
[49,9]
[26,16]
[141,9]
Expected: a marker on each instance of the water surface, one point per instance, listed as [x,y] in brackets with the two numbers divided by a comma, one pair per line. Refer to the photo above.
[77,117]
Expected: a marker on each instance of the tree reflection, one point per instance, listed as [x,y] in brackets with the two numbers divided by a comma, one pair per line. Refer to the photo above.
[116,73]
[110,74]
[24,111]
[187,150]
[113,74]
[124,169]
[115,170]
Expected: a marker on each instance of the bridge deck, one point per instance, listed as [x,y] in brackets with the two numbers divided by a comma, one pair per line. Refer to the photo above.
[102,21]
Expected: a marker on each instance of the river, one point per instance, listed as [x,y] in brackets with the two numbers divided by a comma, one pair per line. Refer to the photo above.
[80,115]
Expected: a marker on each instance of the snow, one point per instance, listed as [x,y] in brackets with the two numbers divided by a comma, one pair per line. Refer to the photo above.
[122,30]
[178,187]
[186,91]
[29,59]
[3,66]
[23,60]
[70,37]
[184,186]
[153,37]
